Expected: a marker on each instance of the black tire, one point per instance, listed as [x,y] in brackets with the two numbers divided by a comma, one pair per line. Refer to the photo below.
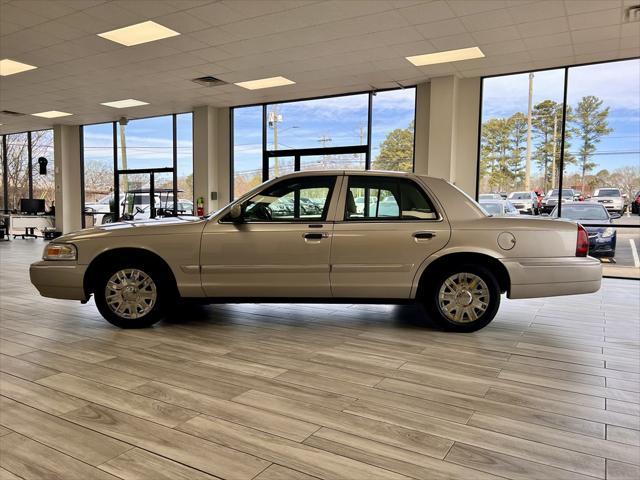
[164,296]
[429,298]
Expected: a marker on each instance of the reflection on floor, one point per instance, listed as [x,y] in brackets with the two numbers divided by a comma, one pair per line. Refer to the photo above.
[548,390]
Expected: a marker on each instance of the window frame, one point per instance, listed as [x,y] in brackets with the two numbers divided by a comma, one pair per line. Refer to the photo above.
[398,181]
[30,170]
[331,199]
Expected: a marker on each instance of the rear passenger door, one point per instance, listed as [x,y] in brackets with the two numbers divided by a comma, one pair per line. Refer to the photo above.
[379,243]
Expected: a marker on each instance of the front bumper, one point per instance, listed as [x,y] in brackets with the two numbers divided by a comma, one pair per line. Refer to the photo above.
[59,279]
[548,277]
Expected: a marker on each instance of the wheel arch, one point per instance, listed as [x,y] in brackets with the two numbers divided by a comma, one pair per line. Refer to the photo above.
[109,257]
[460,257]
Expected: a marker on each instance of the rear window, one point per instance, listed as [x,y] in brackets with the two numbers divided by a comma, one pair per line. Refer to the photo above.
[608,192]
[520,196]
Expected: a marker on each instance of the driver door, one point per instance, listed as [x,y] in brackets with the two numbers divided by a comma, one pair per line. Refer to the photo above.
[280,249]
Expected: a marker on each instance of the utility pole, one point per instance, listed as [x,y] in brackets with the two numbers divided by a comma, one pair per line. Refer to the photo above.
[324,140]
[274,119]
[553,160]
[527,172]
[123,145]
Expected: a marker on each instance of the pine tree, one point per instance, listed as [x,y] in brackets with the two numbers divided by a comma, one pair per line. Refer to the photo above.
[590,125]
[396,152]
[496,146]
[547,127]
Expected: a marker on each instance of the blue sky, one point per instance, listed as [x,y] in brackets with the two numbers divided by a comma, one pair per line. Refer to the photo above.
[616,83]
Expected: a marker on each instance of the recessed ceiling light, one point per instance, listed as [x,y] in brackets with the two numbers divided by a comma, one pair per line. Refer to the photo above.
[51,114]
[129,102]
[446,56]
[139,33]
[265,83]
[9,67]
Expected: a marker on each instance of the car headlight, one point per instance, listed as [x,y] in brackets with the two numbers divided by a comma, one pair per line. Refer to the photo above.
[60,251]
[608,232]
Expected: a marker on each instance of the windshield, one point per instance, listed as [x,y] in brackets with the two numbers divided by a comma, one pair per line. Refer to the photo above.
[519,195]
[492,208]
[584,212]
[565,193]
[608,192]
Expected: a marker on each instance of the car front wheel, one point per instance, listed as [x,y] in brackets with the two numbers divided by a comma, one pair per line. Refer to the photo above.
[462,299]
[132,295]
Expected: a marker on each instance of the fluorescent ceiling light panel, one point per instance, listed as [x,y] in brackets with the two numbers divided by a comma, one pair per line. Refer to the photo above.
[129,102]
[139,33]
[51,114]
[446,56]
[9,67]
[265,83]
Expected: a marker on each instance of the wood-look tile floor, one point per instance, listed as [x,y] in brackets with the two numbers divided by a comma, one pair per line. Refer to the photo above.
[282,392]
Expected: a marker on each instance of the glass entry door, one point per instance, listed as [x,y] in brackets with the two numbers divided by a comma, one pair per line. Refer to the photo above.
[146,193]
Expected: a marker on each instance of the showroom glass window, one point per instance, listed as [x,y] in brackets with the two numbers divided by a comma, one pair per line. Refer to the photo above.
[323,133]
[184,147]
[247,149]
[139,144]
[600,162]
[21,171]
[98,164]
[392,130]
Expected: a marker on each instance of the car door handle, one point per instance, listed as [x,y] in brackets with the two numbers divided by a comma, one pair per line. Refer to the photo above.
[423,235]
[316,236]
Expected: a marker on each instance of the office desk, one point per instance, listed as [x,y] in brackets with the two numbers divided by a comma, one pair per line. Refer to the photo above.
[26,226]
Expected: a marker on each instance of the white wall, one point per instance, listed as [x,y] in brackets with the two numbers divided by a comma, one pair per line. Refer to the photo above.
[211,155]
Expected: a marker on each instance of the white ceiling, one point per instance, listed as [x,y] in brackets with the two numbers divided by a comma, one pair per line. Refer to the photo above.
[330,46]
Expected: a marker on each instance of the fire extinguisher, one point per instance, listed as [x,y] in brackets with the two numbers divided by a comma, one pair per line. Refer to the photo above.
[200,207]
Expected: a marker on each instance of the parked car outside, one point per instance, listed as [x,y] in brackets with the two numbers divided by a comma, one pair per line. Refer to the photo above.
[489,196]
[440,250]
[500,208]
[610,198]
[525,202]
[550,200]
[602,239]
[635,203]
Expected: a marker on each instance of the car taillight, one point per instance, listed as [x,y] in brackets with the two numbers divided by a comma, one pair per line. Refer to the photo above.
[582,245]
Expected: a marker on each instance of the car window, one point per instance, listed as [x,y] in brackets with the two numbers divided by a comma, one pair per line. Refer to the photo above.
[386,198]
[585,212]
[295,199]
[608,192]
[492,208]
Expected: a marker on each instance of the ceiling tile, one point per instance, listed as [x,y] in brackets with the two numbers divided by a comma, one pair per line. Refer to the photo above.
[539,10]
[487,20]
[575,7]
[427,12]
[466,7]
[497,35]
[452,26]
[595,19]
[543,27]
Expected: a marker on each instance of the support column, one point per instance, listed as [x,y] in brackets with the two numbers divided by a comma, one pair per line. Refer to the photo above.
[447,127]
[67,170]
[211,167]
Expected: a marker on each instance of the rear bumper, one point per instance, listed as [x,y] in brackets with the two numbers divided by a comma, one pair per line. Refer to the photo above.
[548,277]
[59,279]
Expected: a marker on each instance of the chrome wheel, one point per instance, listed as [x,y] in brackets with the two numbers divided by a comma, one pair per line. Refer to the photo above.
[463,297]
[130,293]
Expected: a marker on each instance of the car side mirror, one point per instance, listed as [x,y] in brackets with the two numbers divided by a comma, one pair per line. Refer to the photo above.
[613,216]
[236,212]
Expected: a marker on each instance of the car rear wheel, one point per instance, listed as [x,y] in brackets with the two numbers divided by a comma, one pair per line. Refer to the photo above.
[462,299]
[132,295]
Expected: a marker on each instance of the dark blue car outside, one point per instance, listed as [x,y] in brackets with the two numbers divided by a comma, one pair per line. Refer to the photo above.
[595,219]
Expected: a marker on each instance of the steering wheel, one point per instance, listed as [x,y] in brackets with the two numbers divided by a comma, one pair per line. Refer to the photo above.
[262,211]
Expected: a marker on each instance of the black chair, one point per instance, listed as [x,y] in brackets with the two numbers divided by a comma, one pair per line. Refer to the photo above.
[4,230]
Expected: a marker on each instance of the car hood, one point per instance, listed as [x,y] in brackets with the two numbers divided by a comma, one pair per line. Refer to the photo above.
[156,226]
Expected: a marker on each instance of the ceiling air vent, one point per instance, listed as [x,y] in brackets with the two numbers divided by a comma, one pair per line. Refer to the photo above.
[209,81]
[11,113]
[632,14]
